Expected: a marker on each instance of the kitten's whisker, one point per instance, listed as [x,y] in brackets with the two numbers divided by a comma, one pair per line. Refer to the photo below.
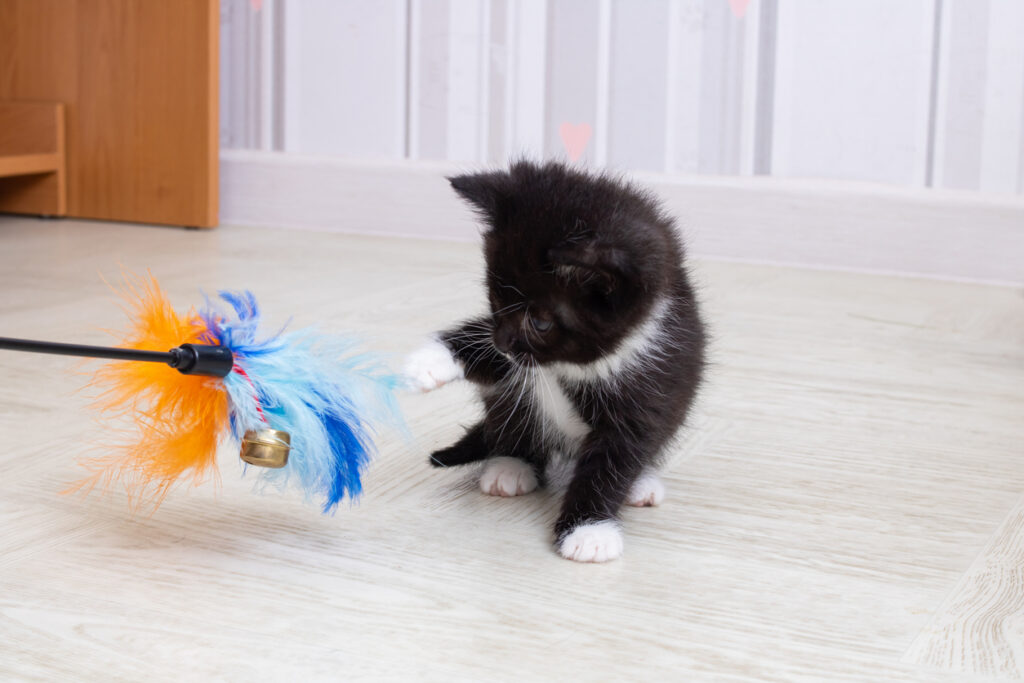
[514,289]
[526,424]
[511,307]
[474,359]
[519,398]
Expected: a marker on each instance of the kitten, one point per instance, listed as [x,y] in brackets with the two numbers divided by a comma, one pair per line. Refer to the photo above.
[591,355]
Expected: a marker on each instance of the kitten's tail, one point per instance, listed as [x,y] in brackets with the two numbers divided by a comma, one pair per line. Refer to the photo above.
[470,448]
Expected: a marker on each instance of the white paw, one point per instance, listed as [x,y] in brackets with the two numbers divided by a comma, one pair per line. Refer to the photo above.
[431,366]
[647,491]
[594,542]
[507,477]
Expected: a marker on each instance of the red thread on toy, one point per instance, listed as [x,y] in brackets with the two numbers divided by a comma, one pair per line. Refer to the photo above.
[256,397]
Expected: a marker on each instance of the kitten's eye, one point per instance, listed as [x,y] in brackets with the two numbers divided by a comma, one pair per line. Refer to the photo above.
[540,324]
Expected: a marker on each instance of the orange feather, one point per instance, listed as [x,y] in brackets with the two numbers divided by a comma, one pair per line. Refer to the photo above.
[180,418]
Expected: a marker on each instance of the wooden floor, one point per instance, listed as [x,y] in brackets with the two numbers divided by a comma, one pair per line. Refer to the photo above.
[848,505]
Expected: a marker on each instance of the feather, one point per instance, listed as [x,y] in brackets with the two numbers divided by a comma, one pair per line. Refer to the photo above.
[180,418]
[330,399]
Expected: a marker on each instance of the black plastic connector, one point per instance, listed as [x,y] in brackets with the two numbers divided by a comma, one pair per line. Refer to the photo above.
[200,359]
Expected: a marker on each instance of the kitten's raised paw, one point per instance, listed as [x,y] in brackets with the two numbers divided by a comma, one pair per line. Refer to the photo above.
[431,366]
[647,491]
[592,542]
[507,477]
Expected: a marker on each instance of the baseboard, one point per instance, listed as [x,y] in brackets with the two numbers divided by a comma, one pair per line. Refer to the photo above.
[821,224]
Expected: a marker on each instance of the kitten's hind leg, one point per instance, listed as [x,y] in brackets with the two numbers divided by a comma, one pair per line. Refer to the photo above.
[647,491]
[470,448]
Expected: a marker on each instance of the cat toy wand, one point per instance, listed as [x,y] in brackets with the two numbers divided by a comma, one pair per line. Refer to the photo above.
[304,407]
[188,359]
[263,448]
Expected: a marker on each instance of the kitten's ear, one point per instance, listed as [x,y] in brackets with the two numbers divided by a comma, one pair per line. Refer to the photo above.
[487,192]
[602,266]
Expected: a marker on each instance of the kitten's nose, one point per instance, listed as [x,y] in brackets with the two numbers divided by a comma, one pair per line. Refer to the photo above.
[504,340]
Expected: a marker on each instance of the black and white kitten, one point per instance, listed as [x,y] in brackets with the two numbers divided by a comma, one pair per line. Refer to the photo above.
[592,352]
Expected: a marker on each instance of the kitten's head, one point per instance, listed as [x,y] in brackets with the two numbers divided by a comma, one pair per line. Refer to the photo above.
[574,261]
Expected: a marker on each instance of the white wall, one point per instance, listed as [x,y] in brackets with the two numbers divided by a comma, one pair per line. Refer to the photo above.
[917,93]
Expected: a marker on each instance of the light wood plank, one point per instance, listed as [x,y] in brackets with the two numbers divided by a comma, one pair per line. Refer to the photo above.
[980,627]
[856,445]
[30,128]
[33,142]
[25,164]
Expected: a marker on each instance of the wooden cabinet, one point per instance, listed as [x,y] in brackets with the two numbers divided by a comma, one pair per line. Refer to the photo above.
[138,83]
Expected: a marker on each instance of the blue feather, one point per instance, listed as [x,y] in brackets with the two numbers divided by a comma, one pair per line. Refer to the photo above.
[331,400]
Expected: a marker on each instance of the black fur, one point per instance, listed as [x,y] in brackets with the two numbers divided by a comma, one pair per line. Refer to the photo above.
[576,262]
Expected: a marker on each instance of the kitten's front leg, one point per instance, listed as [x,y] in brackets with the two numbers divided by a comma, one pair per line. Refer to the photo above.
[431,366]
[588,529]
[463,351]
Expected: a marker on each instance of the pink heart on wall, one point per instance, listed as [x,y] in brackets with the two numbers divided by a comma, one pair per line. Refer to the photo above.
[575,137]
[256,5]
[739,7]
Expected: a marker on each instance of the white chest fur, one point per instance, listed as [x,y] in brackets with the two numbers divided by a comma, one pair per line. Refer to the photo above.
[637,345]
[557,409]
[549,396]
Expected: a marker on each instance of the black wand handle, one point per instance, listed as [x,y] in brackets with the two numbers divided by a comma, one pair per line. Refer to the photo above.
[188,359]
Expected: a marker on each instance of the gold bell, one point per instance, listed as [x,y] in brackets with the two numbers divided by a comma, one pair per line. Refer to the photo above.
[266,448]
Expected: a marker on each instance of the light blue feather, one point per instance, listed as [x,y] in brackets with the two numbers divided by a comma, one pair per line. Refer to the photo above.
[329,398]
